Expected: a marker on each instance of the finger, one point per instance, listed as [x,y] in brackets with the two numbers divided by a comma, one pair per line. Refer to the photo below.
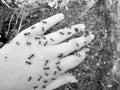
[61,80]
[72,45]
[72,61]
[41,27]
[63,34]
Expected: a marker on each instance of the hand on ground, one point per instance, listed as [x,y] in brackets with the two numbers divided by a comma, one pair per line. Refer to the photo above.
[34,61]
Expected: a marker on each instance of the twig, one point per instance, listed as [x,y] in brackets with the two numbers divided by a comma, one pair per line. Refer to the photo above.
[10,23]
[6,4]
[20,25]
[70,87]
[103,85]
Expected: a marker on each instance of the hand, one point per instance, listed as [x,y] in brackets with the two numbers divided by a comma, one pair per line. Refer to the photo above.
[33,61]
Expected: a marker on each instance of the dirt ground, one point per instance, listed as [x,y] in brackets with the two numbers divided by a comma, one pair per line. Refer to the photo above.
[95,71]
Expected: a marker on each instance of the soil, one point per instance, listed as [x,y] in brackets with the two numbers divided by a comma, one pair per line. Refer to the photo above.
[95,71]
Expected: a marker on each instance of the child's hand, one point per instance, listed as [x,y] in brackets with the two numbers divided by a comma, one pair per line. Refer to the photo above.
[33,61]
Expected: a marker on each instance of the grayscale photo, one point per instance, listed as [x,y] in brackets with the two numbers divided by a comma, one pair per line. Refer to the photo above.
[59,45]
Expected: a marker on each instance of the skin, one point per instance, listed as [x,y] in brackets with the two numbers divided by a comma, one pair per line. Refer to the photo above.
[34,61]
